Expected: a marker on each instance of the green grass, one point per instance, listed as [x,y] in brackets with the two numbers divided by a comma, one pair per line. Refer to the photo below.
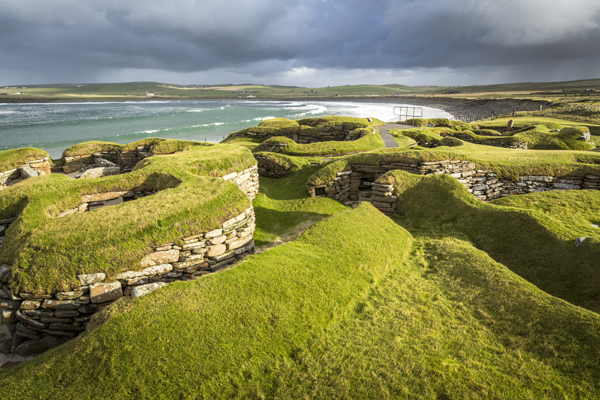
[536,131]
[271,306]
[535,245]
[438,122]
[160,146]
[11,159]
[422,136]
[370,313]
[307,127]
[278,123]
[47,252]
[283,207]
[533,130]
[453,298]
[248,142]
[366,141]
[279,130]
[91,147]
[576,210]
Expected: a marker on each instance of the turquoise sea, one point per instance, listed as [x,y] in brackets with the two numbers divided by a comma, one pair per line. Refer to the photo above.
[56,126]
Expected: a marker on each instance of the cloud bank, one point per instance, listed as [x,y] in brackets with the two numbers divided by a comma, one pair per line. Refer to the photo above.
[301,42]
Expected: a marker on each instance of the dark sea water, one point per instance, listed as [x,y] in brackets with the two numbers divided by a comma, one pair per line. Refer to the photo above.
[56,126]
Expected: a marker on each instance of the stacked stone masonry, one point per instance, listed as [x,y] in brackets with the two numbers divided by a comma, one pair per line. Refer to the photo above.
[27,170]
[483,184]
[125,159]
[335,133]
[270,168]
[246,180]
[36,318]
[273,147]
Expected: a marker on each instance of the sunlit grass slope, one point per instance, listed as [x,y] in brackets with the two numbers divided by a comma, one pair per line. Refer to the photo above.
[206,338]
[342,312]
[535,245]
[11,159]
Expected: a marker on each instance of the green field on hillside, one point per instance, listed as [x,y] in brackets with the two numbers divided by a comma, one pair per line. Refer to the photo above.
[139,90]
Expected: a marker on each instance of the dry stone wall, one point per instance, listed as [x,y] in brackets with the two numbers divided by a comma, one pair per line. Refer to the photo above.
[246,180]
[27,170]
[270,168]
[37,320]
[483,184]
[326,134]
[125,159]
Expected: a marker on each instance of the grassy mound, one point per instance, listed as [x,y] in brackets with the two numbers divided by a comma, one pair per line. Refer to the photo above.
[47,252]
[365,140]
[480,139]
[11,159]
[307,126]
[426,137]
[534,245]
[160,146]
[370,313]
[345,122]
[91,147]
[438,122]
[278,123]
[537,131]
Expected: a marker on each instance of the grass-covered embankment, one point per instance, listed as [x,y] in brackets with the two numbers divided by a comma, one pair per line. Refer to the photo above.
[272,306]
[535,245]
[11,159]
[538,132]
[282,130]
[366,141]
[48,252]
[342,312]
[159,146]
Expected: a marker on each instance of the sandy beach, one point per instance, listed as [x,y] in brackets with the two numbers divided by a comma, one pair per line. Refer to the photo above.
[462,109]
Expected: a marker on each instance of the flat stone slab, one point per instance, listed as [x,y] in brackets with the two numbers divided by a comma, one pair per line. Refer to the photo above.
[143,290]
[104,292]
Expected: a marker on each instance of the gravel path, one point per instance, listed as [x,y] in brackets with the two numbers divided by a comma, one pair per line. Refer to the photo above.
[385,133]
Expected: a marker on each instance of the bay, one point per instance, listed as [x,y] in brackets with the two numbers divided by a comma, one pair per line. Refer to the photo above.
[56,126]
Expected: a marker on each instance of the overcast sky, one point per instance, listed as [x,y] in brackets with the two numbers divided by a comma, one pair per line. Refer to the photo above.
[308,43]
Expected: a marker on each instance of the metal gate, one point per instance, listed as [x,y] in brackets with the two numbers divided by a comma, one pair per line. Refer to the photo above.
[413,112]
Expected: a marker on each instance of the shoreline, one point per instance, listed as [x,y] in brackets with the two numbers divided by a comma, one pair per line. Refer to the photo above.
[461,109]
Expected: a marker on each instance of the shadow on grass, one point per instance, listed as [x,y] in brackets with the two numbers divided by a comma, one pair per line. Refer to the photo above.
[441,207]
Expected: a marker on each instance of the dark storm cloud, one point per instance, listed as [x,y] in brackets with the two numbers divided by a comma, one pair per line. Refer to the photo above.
[74,40]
